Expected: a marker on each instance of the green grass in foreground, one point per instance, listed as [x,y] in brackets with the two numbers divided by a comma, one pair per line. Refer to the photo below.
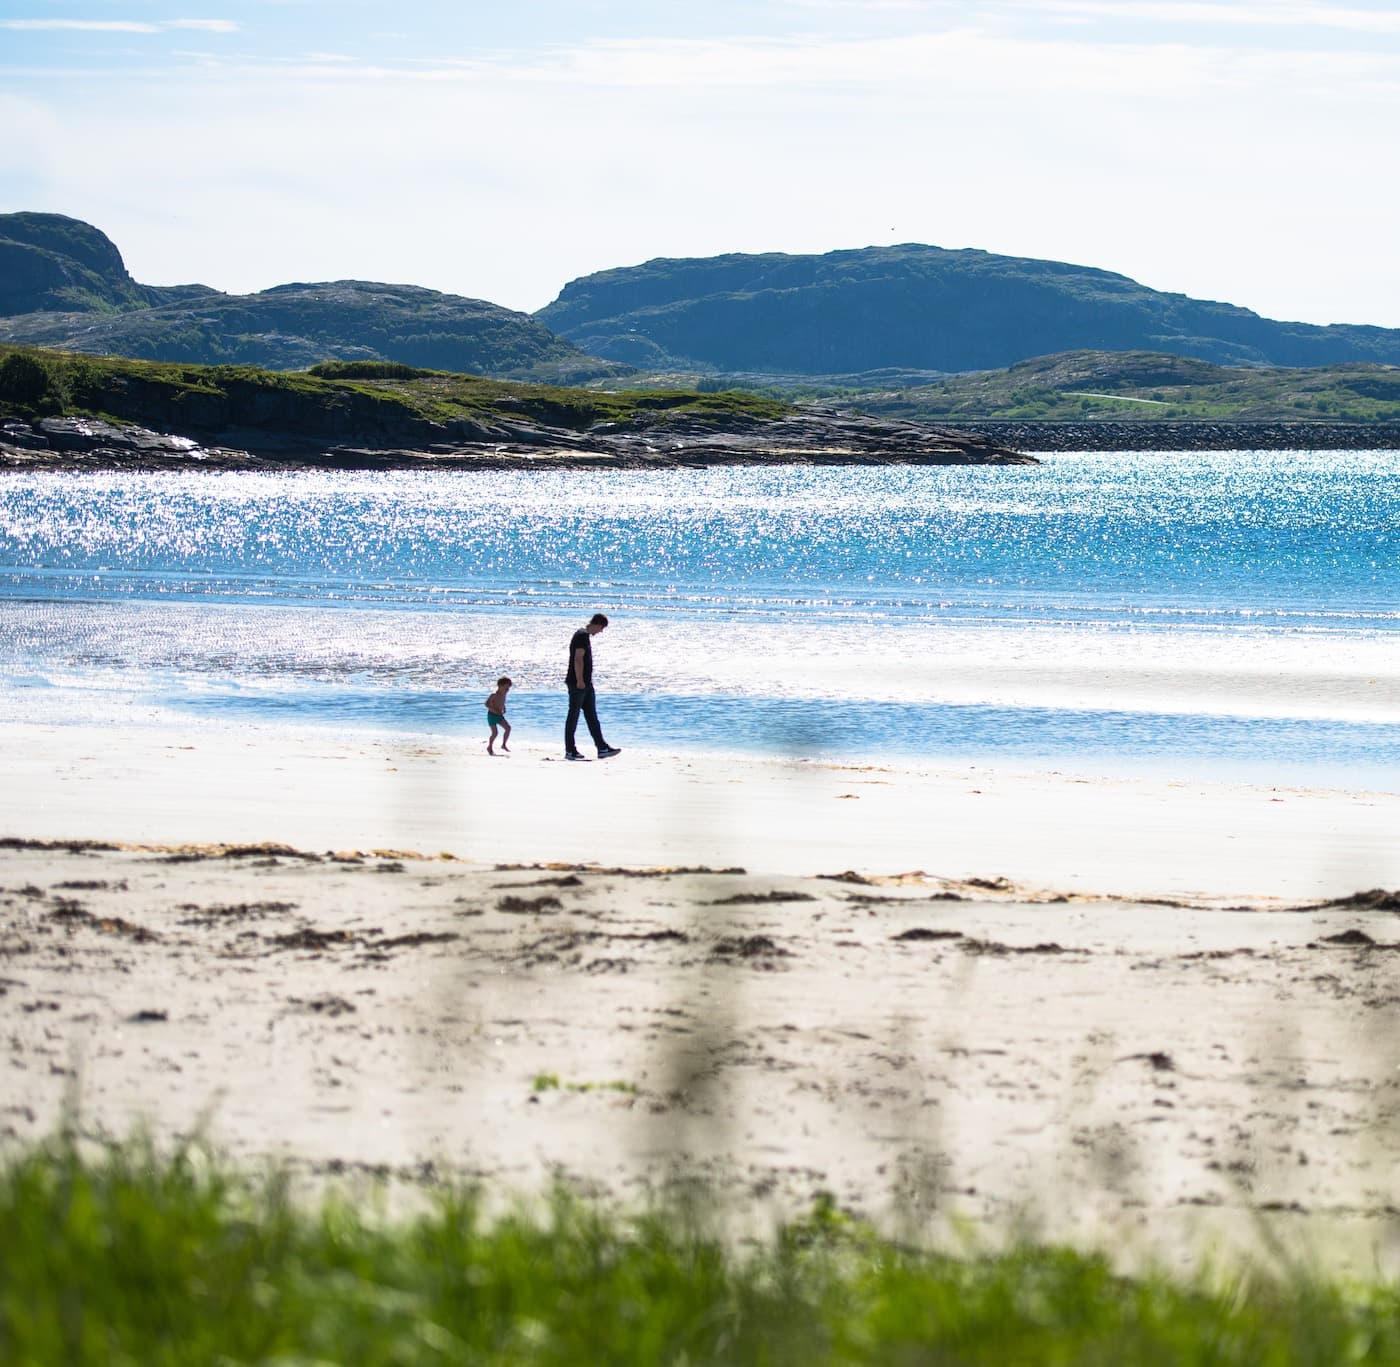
[119,1256]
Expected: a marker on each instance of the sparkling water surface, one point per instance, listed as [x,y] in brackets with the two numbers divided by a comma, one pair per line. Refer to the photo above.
[1235,610]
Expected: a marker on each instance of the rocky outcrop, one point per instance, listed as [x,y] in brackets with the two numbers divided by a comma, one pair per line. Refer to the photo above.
[811,437]
[657,441]
[88,443]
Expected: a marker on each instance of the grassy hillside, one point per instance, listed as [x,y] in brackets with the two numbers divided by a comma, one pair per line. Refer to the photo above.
[1087,384]
[371,403]
[1080,385]
[293,326]
[916,307]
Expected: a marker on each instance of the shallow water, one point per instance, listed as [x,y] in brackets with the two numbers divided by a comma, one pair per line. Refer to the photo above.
[1211,612]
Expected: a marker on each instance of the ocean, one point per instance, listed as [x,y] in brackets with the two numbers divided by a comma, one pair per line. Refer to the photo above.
[1232,614]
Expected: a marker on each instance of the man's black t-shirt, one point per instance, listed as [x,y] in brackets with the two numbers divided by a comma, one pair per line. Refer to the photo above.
[584,642]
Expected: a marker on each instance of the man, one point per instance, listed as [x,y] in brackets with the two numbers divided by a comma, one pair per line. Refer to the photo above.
[579,680]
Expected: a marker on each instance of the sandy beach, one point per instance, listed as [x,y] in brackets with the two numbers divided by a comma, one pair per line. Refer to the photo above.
[1140,1011]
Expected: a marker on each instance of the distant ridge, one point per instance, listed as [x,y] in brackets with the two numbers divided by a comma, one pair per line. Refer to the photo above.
[63,284]
[874,317]
[915,307]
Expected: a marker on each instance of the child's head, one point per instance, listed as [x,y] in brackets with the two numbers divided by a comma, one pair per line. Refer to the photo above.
[503,682]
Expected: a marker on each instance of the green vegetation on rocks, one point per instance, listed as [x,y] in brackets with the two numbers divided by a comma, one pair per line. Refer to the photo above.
[363,403]
[27,383]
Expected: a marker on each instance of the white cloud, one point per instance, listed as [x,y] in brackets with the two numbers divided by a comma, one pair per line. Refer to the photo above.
[872,6]
[1192,13]
[204,25]
[80,25]
[118,25]
[924,70]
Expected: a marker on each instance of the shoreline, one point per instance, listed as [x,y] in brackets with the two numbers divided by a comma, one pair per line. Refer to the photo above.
[331,788]
[78,444]
[1200,434]
[803,438]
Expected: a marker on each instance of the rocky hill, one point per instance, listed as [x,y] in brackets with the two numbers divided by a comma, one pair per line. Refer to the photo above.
[915,307]
[52,263]
[63,284]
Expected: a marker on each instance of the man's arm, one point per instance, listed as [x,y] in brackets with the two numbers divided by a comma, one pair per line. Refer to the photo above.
[578,667]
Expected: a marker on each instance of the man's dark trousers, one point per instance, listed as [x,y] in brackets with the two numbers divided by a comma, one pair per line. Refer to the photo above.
[582,700]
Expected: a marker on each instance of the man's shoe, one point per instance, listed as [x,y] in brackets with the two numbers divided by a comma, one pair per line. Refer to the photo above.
[574,754]
[608,751]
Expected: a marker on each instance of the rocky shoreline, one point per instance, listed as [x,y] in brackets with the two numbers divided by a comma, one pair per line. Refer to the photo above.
[1146,435]
[816,437]
[666,441]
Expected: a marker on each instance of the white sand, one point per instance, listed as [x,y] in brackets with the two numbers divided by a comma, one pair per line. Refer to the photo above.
[1152,1074]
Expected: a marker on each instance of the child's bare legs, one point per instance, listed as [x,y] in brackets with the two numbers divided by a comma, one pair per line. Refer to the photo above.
[492,741]
[505,736]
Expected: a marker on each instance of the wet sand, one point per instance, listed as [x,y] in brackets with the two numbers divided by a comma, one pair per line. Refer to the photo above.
[328,789]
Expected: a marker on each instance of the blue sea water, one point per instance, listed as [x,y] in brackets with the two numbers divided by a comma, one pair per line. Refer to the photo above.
[1210,612]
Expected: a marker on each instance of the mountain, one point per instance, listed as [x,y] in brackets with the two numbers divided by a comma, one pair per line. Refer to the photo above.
[52,263]
[290,327]
[883,316]
[915,307]
[63,284]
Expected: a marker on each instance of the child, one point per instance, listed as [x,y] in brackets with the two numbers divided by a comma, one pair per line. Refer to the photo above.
[496,715]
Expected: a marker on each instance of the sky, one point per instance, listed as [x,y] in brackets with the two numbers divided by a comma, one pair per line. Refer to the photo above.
[1240,150]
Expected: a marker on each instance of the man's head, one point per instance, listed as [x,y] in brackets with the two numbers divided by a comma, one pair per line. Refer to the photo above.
[597,623]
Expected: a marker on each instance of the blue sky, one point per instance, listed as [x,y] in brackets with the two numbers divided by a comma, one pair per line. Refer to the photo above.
[1231,149]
